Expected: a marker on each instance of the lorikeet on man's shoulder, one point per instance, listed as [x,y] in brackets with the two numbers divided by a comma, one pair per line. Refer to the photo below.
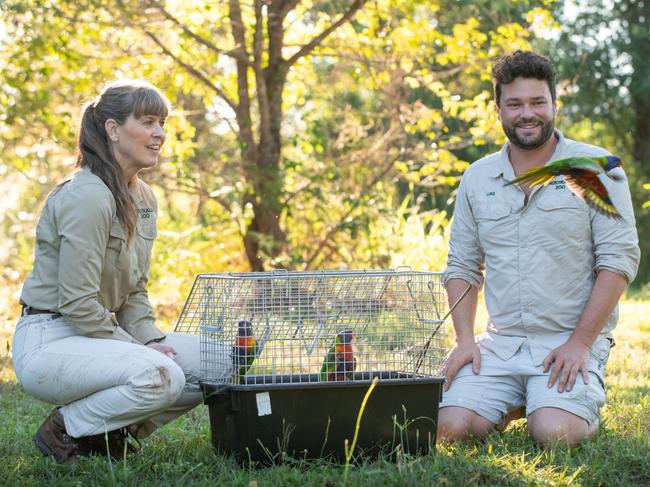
[581,176]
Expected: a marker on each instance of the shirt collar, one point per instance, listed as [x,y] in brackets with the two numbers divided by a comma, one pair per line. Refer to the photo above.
[134,187]
[503,167]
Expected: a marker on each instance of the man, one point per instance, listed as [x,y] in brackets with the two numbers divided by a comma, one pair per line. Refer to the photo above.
[554,272]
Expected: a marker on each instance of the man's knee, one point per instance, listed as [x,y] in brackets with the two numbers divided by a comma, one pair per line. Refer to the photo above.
[457,423]
[552,426]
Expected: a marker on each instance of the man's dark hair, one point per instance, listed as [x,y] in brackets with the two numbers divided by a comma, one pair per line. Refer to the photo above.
[522,64]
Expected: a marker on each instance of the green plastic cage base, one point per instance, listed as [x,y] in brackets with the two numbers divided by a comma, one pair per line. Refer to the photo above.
[278,416]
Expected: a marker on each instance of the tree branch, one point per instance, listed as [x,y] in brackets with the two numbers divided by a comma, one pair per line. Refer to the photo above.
[296,192]
[332,231]
[192,70]
[243,113]
[193,189]
[286,6]
[316,41]
[260,79]
[233,53]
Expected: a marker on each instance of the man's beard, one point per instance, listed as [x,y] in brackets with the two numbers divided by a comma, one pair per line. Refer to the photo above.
[529,143]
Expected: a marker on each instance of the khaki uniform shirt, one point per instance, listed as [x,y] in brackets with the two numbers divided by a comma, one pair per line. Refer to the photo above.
[84,268]
[540,258]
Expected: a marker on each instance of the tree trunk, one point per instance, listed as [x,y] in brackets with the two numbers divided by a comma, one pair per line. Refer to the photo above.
[264,237]
[638,18]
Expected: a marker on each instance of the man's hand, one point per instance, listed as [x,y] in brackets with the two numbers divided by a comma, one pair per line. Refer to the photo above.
[566,361]
[461,354]
[162,348]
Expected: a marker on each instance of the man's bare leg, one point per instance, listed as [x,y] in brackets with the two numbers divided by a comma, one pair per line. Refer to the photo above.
[550,426]
[457,423]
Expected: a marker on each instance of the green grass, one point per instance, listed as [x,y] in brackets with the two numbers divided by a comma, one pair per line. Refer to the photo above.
[181,453]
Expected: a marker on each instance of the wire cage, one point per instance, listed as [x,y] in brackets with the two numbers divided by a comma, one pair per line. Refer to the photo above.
[317,326]
[288,357]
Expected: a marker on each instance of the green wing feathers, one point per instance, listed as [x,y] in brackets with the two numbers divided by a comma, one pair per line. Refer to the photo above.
[539,175]
[545,174]
[329,363]
[581,176]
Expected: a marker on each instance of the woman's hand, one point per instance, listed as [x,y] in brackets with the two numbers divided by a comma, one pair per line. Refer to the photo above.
[162,348]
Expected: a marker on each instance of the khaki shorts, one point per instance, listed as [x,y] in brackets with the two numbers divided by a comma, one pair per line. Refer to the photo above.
[503,385]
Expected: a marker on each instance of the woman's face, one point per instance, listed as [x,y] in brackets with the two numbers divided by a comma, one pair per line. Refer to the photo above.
[137,143]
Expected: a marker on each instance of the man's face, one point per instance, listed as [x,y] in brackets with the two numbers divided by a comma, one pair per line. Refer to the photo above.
[527,112]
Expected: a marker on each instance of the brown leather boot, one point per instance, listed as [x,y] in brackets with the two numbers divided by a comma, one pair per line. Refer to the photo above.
[92,445]
[53,439]
[113,443]
[119,442]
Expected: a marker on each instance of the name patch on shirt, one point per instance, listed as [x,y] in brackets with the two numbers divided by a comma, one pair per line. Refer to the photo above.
[145,213]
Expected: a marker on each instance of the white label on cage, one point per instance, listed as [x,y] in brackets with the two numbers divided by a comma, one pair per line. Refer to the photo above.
[263,404]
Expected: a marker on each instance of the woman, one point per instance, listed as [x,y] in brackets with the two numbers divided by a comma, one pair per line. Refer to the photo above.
[87,338]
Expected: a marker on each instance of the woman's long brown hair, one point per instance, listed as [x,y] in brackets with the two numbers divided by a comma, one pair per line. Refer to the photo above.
[117,101]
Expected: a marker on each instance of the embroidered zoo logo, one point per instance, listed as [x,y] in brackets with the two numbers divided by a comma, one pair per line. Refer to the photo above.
[558,184]
[145,213]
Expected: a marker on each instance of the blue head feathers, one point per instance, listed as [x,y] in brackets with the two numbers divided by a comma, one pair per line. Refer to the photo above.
[612,162]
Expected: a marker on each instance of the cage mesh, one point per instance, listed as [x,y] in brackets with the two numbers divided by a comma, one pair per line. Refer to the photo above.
[281,325]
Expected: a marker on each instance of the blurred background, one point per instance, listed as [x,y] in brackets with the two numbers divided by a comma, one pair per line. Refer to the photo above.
[305,134]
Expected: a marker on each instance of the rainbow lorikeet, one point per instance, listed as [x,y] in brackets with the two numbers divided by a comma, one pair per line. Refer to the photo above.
[339,362]
[581,176]
[245,349]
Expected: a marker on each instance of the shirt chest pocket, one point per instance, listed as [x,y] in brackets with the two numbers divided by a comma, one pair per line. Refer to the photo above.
[493,222]
[563,215]
[116,248]
[146,235]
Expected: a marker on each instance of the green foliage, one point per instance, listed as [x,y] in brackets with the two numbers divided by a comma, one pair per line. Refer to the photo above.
[405,106]
[388,108]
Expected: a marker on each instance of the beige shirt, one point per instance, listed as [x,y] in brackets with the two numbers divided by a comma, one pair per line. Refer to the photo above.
[84,268]
[540,258]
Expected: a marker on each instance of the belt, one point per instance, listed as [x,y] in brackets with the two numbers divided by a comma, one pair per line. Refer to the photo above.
[28,310]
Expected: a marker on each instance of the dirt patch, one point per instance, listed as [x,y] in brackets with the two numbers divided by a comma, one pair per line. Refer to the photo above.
[164,377]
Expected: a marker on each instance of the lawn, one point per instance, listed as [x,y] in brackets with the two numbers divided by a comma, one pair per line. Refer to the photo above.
[181,453]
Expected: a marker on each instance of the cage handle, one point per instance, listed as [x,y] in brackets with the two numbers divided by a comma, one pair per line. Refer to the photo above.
[426,345]
[403,268]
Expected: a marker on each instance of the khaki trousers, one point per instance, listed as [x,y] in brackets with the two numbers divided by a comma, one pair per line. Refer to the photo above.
[105,384]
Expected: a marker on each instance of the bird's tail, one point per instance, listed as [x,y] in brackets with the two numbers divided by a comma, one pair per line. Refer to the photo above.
[538,175]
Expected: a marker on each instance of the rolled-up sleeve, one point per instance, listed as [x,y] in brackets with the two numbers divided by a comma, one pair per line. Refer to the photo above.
[83,220]
[616,243]
[466,258]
